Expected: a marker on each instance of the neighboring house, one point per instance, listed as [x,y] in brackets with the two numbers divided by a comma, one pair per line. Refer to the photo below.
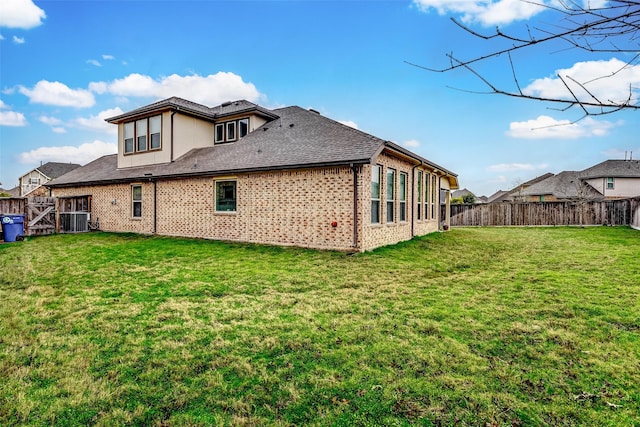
[611,179]
[14,192]
[565,186]
[32,183]
[241,172]
[614,179]
[516,193]
[461,194]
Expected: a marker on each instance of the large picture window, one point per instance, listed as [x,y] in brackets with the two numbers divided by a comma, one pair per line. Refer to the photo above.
[402,196]
[427,178]
[226,196]
[391,185]
[434,199]
[375,194]
[136,201]
[142,135]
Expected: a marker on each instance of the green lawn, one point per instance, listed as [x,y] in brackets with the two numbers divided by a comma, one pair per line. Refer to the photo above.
[475,327]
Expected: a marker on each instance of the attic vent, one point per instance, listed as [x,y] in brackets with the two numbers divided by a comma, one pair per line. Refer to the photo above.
[226,104]
[291,125]
[314,111]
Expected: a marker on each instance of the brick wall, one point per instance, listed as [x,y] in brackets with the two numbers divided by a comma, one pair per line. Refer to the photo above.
[286,208]
[294,207]
[376,235]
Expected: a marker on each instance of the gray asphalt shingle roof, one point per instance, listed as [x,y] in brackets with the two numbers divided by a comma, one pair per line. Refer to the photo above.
[56,169]
[296,138]
[565,185]
[613,169]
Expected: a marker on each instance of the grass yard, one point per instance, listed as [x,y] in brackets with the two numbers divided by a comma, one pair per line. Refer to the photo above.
[475,327]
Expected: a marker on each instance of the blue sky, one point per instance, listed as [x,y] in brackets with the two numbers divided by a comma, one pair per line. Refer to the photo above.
[65,66]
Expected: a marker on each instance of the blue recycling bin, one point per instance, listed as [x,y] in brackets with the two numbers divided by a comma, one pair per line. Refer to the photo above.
[12,227]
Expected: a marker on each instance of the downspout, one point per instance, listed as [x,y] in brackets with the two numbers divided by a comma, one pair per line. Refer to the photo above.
[355,205]
[439,193]
[413,199]
[172,114]
[155,206]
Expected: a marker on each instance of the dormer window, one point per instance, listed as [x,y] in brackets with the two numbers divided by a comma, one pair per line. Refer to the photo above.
[231,131]
[142,135]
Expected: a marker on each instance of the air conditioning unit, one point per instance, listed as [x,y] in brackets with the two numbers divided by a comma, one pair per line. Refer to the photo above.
[74,222]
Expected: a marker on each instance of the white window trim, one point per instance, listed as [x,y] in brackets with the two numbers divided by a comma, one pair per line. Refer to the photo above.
[134,201]
[215,196]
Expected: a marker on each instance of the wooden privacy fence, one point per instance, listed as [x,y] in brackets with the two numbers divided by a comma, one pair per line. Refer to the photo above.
[39,213]
[608,212]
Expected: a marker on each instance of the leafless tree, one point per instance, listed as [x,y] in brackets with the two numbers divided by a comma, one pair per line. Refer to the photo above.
[613,28]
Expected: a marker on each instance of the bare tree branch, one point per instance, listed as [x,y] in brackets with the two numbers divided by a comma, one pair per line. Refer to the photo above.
[613,28]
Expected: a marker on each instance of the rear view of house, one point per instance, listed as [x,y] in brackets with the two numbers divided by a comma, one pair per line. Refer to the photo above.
[241,172]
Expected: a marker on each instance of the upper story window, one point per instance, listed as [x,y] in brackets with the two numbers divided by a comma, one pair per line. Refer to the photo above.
[34,181]
[231,131]
[610,183]
[142,135]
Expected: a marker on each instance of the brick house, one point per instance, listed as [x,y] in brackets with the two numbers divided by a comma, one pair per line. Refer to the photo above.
[241,172]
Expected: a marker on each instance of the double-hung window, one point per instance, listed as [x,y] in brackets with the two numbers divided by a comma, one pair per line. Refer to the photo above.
[155,123]
[226,196]
[391,185]
[610,183]
[128,138]
[419,204]
[231,131]
[142,135]
[136,201]
[375,194]
[402,196]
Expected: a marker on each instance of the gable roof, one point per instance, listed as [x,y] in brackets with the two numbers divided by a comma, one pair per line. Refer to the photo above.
[613,169]
[56,169]
[297,138]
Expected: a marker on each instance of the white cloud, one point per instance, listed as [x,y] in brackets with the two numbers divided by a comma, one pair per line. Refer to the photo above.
[98,87]
[545,127]
[12,118]
[108,57]
[412,143]
[18,40]
[609,81]
[94,62]
[209,90]
[56,93]
[21,14]
[51,121]
[81,154]
[513,167]
[1,37]
[58,130]
[349,123]
[98,123]
[485,12]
